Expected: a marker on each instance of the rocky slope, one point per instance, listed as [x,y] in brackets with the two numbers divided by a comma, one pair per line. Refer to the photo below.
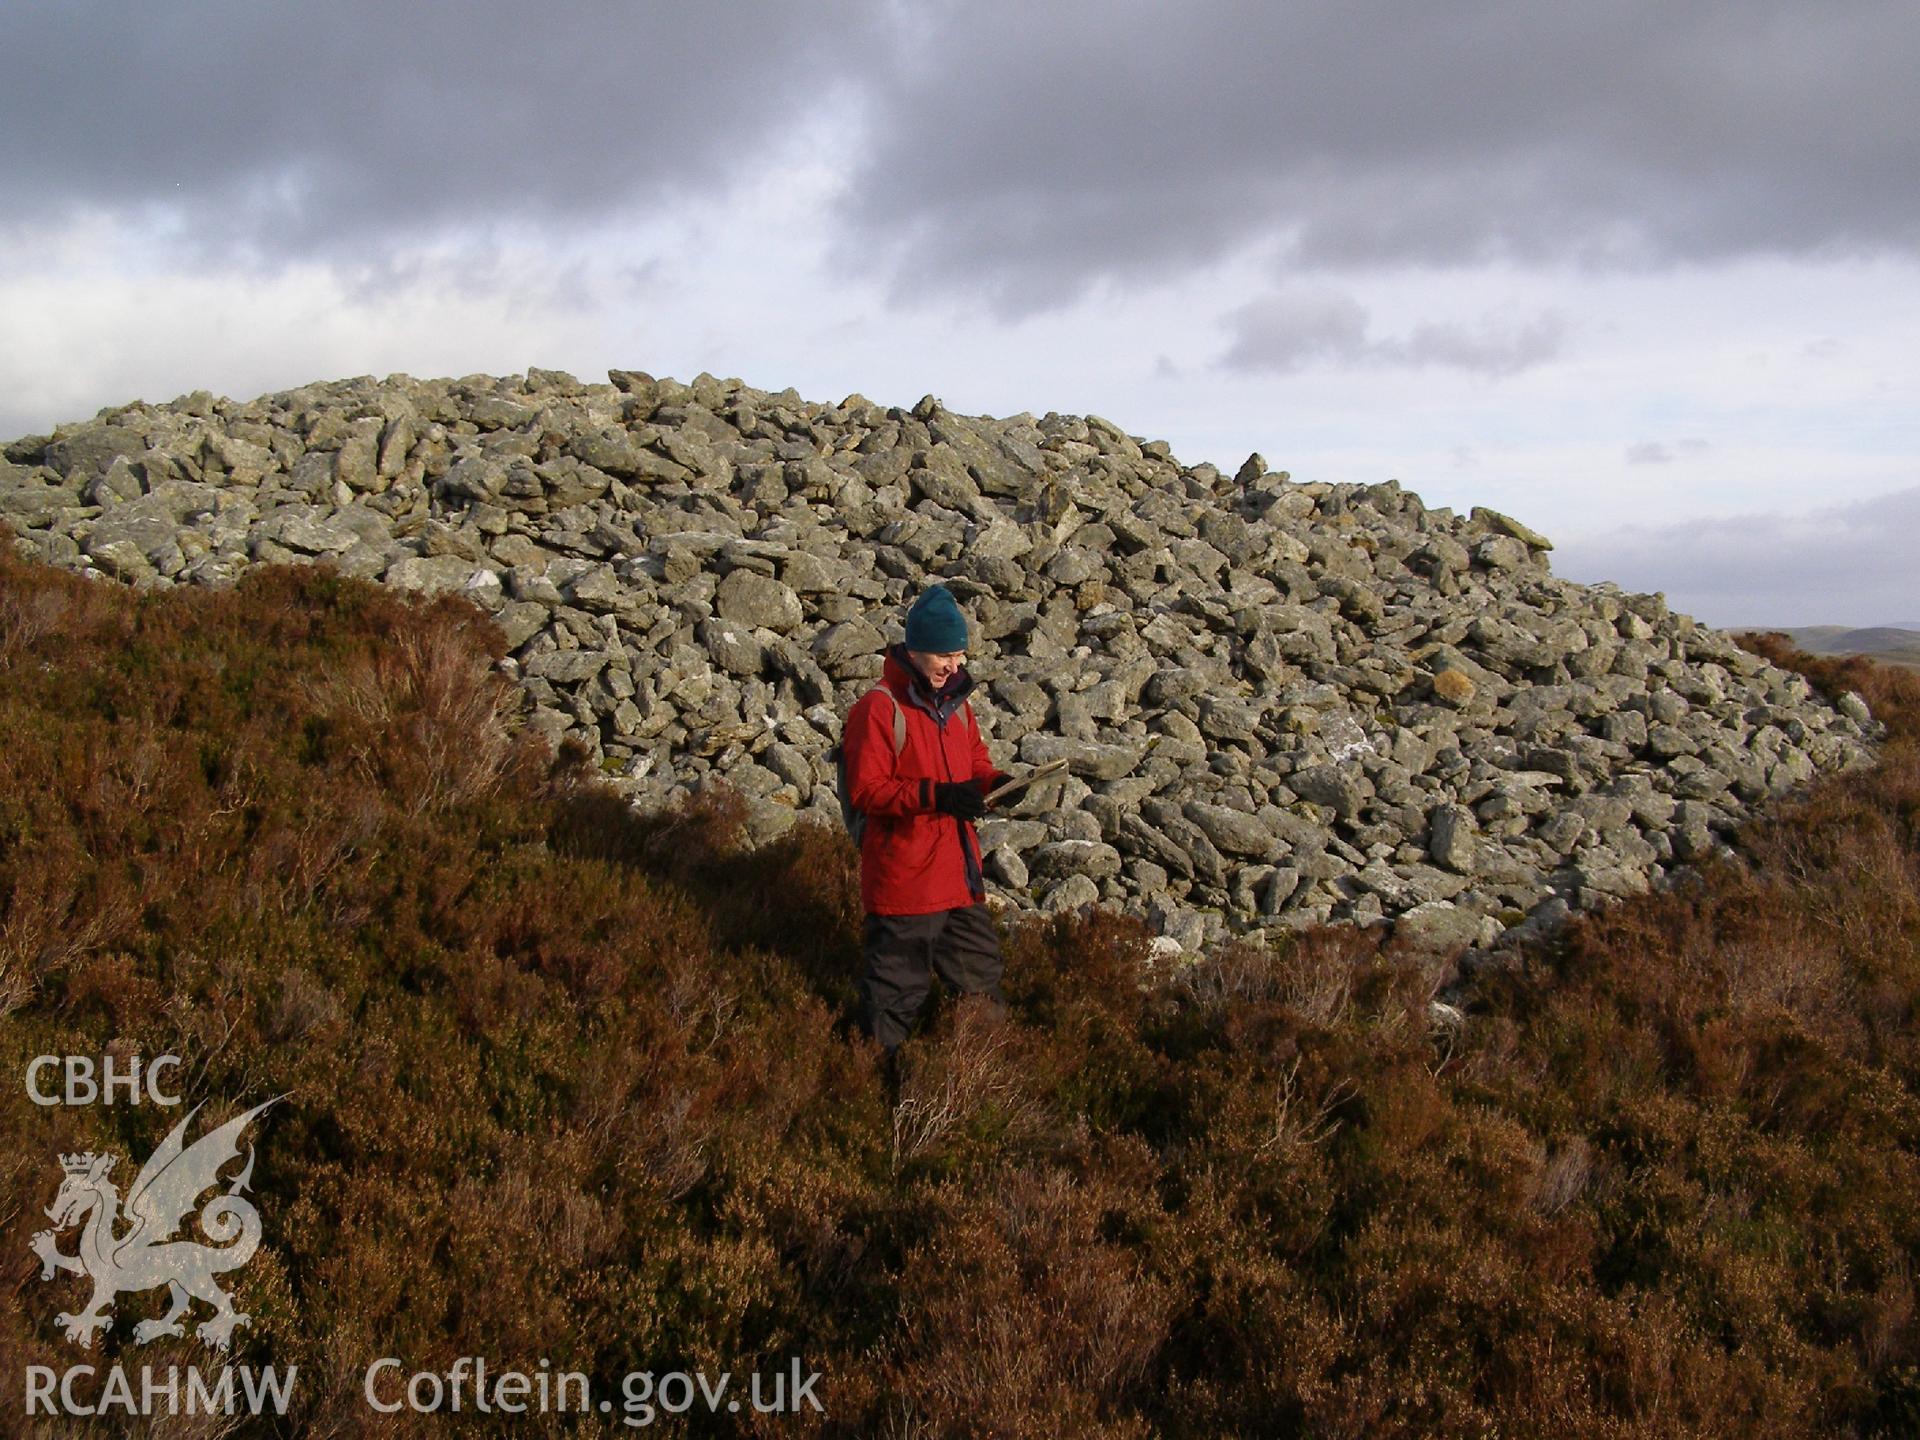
[1280,703]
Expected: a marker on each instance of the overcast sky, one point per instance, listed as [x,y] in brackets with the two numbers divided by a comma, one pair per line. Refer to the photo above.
[1646,276]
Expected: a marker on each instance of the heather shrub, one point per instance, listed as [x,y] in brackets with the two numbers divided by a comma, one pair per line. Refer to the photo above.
[971,1089]
[424,717]
[1020,1318]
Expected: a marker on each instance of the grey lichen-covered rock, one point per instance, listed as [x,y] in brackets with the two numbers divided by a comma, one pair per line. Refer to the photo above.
[84,451]
[1235,832]
[1439,927]
[758,600]
[733,647]
[1095,860]
[1086,758]
[145,526]
[434,574]
[309,529]
[1278,703]
[1332,786]
[1451,841]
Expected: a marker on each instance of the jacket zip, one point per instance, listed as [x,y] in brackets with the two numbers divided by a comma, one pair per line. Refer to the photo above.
[976,878]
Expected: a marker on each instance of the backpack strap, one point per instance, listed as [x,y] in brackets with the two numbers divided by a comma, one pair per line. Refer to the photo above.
[899,719]
[899,724]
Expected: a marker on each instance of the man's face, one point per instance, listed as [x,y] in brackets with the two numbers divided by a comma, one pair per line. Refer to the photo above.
[937,668]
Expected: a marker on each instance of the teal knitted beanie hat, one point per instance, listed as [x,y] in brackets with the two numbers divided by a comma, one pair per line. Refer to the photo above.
[935,625]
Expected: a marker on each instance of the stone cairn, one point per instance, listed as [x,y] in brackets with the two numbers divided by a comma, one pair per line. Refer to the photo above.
[1280,703]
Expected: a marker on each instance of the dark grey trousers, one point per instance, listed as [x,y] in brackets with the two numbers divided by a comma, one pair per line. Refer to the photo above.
[904,951]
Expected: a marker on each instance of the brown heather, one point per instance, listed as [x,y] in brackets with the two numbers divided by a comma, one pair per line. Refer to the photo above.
[574,1084]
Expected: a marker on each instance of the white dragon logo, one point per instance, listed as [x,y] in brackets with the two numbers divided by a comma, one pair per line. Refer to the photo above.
[147,1256]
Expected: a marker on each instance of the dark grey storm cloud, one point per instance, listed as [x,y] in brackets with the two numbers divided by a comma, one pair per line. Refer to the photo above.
[290,127]
[1024,149]
[1849,565]
[1290,330]
[1019,149]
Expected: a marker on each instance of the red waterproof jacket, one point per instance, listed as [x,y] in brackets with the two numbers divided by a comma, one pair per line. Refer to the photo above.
[914,860]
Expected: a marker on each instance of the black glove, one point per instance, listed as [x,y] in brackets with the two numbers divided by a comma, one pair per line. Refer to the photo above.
[960,797]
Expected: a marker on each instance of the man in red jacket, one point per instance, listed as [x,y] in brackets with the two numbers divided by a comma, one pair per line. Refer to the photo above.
[920,878]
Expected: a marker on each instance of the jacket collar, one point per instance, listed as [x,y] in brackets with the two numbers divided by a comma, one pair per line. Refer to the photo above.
[909,685]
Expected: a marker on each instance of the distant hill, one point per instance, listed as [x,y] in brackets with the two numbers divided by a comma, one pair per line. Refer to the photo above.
[1890,644]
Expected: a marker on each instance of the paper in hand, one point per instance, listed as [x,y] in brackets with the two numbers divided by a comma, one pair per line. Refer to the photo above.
[1010,788]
